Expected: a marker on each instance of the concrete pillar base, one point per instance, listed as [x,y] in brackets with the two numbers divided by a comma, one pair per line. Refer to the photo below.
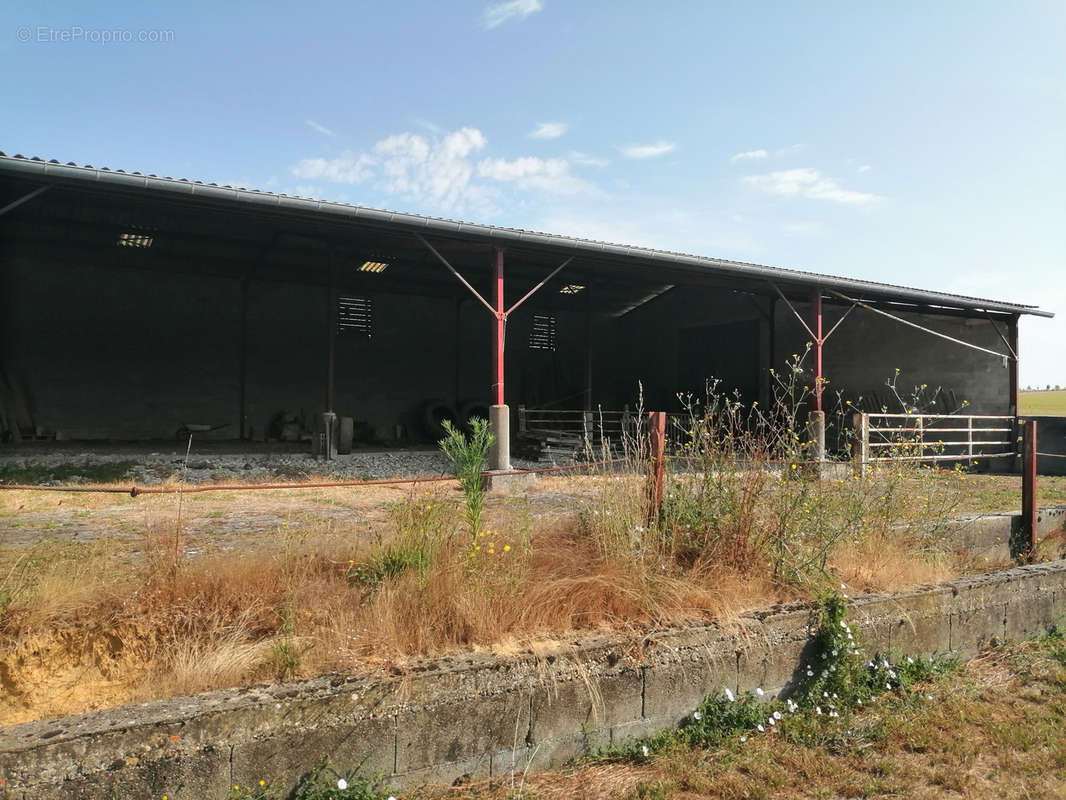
[500,425]
[508,482]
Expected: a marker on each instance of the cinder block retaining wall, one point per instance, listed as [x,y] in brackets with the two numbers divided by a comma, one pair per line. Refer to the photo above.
[480,715]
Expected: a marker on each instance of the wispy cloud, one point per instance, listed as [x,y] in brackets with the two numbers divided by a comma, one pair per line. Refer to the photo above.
[787,151]
[315,126]
[585,160]
[549,175]
[749,155]
[348,167]
[865,168]
[548,130]
[499,13]
[810,183]
[660,148]
[443,172]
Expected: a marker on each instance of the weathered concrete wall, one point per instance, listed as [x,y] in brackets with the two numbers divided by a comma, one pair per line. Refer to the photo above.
[478,715]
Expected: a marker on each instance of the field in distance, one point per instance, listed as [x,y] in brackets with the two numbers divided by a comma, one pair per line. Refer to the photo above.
[1046,404]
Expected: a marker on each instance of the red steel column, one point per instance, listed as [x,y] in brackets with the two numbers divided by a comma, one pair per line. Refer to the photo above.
[1029,430]
[500,326]
[1012,339]
[816,327]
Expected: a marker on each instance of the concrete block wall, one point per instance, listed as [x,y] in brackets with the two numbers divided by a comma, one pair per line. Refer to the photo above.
[475,716]
[867,349]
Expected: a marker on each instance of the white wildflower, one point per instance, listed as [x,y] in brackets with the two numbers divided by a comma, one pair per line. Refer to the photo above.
[772,721]
[342,784]
[760,728]
[777,715]
[644,750]
[759,692]
[729,695]
[696,715]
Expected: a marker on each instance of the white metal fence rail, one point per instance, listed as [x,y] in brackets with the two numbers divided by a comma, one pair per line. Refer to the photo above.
[933,437]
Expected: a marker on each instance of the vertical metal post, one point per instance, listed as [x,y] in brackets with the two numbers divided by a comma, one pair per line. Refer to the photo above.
[1012,341]
[242,367]
[657,442]
[816,328]
[1029,486]
[588,348]
[499,414]
[501,322]
[1012,365]
[331,327]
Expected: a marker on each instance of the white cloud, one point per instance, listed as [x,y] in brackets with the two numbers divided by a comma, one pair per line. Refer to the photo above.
[865,168]
[749,155]
[320,128]
[442,172]
[347,168]
[548,130]
[585,160]
[437,171]
[809,183]
[792,148]
[499,13]
[647,150]
[550,175]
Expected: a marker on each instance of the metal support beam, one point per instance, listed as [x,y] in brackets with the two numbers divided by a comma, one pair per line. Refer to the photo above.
[455,272]
[501,326]
[331,323]
[816,333]
[534,290]
[915,325]
[1012,345]
[24,199]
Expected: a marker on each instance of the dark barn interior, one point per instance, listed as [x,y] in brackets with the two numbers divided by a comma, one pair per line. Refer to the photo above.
[133,306]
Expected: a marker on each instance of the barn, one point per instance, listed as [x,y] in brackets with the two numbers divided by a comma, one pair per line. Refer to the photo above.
[135,307]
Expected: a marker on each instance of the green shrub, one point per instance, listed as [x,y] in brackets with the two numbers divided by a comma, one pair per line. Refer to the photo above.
[468,456]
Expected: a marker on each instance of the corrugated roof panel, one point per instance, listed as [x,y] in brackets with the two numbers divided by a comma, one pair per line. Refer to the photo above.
[441,225]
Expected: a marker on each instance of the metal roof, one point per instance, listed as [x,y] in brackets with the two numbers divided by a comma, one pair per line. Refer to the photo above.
[182,188]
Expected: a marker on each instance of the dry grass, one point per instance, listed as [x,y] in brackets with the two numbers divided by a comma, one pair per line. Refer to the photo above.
[90,624]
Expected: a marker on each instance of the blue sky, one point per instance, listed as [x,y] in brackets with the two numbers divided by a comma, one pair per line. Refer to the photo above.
[913,143]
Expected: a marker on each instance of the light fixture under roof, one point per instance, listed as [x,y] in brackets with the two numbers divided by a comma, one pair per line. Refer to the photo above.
[572,288]
[373,266]
[134,239]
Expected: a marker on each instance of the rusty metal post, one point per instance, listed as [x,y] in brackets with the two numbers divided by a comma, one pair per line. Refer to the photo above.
[499,413]
[501,322]
[816,329]
[1029,486]
[657,442]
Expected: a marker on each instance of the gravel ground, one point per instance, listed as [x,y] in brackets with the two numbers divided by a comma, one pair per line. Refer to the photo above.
[209,463]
